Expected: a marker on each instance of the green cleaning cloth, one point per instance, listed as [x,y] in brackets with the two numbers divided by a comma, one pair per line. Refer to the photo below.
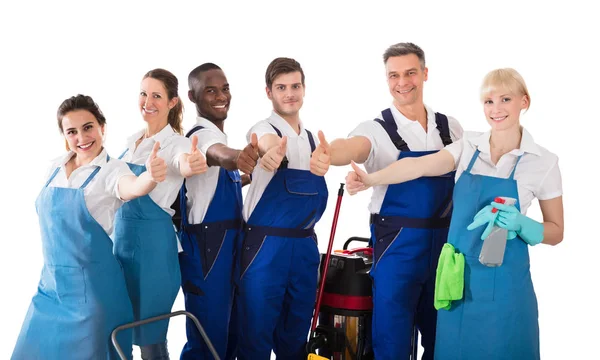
[450,278]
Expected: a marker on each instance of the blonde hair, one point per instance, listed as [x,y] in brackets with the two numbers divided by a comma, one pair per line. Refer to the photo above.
[506,80]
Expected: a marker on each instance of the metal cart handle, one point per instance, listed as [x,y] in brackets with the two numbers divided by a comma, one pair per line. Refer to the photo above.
[113,335]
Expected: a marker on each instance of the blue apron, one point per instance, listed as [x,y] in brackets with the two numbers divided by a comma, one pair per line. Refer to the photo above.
[82,295]
[207,263]
[279,265]
[497,318]
[408,235]
[146,245]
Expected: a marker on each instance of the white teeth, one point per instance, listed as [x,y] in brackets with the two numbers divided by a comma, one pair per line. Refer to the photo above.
[219,106]
[405,91]
[499,118]
[149,111]
[86,145]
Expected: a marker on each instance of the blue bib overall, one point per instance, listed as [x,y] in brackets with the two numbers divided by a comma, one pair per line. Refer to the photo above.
[408,235]
[279,265]
[207,263]
[497,319]
[146,245]
[82,295]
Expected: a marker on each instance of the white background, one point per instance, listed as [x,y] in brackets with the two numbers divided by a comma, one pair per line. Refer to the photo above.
[53,50]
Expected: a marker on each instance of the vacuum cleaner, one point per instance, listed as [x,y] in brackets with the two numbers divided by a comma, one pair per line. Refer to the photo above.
[344,304]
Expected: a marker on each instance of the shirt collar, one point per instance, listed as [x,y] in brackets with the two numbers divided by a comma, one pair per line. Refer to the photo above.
[98,161]
[166,132]
[284,126]
[207,124]
[482,142]
[402,120]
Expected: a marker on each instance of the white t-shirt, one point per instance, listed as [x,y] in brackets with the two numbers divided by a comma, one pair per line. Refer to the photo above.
[172,146]
[101,194]
[384,152]
[537,173]
[298,154]
[201,188]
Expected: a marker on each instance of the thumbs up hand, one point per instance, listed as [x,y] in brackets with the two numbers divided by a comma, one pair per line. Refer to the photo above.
[271,160]
[320,159]
[156,166]
[357,180]
[248,157]
[193,163]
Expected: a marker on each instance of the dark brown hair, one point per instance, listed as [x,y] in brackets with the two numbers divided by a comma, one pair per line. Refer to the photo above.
[79,102]
[171,84]
[282,66]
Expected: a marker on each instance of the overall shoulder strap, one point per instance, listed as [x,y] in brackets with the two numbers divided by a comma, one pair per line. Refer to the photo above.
[441,121]
[390,127]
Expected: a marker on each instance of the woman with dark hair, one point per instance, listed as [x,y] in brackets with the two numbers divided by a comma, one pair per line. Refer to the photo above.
[145,240]
[82,295]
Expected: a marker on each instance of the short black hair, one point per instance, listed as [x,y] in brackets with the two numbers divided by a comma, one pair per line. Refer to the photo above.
[195,74]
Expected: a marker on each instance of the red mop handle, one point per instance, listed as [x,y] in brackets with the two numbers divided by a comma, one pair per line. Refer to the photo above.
[328,256]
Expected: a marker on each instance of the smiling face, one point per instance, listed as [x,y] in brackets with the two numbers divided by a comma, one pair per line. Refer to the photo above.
[287,93]
[211,95]
[504,95]
[405,78]
[503,109]
[154,102]
[83,133]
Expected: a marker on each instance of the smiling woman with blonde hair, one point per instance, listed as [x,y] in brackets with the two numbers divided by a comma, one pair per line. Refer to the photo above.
[497,316]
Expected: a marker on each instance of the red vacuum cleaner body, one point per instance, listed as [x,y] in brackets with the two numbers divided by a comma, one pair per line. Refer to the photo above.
[347,304]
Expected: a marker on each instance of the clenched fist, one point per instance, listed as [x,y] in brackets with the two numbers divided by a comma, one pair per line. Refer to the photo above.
[156,166]
[320,159]
[247,158]
[195,162]
[271,160]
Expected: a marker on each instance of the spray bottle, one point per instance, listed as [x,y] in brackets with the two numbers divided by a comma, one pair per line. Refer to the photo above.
[492,251]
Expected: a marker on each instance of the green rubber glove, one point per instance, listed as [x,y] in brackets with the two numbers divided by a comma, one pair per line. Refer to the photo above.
[487,216]
[510,218]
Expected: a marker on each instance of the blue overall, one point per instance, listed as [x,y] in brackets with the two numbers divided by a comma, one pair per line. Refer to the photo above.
[279,265]
[82,295]
[497,319]
[207,263]
[146,245]
[408,235]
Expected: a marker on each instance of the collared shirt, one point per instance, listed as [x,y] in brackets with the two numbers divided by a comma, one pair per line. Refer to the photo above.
[201,188]
[537,173]
[172,146]
[298,154]
[383,152]
[101,195]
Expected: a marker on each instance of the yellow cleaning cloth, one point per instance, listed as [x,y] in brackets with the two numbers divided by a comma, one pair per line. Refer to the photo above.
[450,278]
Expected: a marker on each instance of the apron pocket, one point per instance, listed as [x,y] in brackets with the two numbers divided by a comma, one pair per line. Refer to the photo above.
[250,248]
[65,283]
[210,244]
[382,243]
[300,186]
[480,280]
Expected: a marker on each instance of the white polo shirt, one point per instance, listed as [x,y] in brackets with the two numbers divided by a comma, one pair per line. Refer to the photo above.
[172,146]
[101,194]
[384,152]
[537,173]
[201,188]
[298,154]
